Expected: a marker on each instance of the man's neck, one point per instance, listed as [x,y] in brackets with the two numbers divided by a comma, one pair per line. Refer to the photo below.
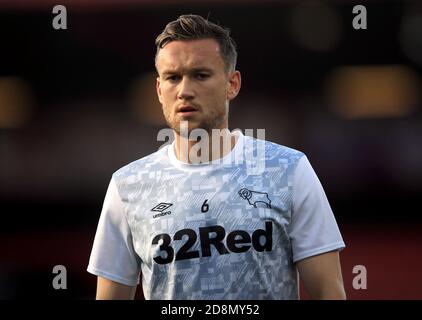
[213,147]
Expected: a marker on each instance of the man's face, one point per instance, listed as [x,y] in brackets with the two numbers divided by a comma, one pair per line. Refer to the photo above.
[193,85]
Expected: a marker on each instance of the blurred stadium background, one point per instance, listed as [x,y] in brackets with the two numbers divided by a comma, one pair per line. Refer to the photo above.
[77,104]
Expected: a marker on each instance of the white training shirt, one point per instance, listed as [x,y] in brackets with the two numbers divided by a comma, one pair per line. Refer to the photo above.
[229,229]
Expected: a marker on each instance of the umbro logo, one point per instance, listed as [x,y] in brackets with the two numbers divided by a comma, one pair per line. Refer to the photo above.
[161,207]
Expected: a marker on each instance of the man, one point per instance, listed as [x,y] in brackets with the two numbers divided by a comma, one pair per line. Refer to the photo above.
[213,228]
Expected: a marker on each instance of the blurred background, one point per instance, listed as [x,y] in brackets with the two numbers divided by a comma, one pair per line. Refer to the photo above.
[78,104]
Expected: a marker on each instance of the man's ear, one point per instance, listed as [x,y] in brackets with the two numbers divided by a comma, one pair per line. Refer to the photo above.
[234,85]
[158,88]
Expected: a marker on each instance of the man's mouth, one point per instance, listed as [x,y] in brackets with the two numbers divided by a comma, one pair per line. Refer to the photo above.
[186,110]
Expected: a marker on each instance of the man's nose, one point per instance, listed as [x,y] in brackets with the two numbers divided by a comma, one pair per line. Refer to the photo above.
[185,91]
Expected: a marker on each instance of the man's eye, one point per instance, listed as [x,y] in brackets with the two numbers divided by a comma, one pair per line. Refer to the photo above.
[202,76]
[173,78]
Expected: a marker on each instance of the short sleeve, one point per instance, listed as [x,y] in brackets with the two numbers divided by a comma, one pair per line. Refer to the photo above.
[113,256]
[313,228]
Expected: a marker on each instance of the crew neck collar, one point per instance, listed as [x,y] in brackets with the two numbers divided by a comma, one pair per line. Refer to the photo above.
[228,159]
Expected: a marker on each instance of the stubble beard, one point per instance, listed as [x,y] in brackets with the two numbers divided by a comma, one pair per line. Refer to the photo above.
[214,121]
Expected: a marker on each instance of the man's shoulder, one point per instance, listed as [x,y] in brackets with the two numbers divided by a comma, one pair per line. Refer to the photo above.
[275,150]
[283,150]
[144,164]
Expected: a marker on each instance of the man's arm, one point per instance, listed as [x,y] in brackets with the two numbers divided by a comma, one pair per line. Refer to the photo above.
[110,290]
[321,276]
